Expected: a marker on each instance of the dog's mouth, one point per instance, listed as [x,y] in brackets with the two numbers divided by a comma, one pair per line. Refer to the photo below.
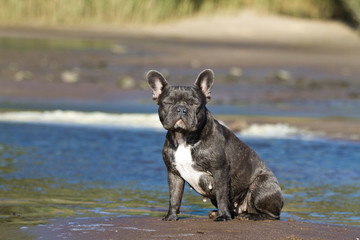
[180,124]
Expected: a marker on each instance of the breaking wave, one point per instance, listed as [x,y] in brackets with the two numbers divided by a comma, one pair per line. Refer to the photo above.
[99,119]
[278,130]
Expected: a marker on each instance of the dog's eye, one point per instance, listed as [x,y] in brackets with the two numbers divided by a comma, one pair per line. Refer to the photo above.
[167,103]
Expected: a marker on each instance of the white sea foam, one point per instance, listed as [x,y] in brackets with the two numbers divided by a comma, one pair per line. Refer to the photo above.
[279,130]
[101,119]
[84,118]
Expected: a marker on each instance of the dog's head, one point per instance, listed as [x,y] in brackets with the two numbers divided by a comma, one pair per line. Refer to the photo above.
[181,107]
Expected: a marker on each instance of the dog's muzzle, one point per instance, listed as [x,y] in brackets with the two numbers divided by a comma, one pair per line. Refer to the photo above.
[181,110]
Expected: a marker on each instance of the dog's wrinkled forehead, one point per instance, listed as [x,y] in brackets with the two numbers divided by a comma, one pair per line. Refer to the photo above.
[183,94]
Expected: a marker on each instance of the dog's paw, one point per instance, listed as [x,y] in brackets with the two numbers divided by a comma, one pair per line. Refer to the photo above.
[222,218]
[170,218]
[212,214]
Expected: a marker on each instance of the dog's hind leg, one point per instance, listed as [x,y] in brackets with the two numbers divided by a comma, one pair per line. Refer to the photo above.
[263,200]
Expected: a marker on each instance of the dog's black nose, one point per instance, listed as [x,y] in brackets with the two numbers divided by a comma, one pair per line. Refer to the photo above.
[181,110]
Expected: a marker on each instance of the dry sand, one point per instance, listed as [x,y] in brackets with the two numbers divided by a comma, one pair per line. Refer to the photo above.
[249,25]
[245,26]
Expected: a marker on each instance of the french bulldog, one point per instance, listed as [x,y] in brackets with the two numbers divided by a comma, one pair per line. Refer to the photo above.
[216,164]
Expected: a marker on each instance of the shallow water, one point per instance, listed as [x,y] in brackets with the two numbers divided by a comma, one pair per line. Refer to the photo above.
[54,170]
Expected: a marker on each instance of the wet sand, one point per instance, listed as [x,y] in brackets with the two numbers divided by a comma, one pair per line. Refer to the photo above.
[301,60]
[188,228]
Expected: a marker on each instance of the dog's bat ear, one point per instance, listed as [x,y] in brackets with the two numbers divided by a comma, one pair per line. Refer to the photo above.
[205,81]
[157,82]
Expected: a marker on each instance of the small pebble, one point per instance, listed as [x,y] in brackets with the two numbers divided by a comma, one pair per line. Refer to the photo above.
[70,76]
[23,75]
[283,75]
[235,72]
[127,82]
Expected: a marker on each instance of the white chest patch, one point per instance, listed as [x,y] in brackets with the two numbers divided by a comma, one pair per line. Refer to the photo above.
[183,163]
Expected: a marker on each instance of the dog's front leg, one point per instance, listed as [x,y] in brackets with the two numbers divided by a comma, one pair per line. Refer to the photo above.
[176,190]
[222,186]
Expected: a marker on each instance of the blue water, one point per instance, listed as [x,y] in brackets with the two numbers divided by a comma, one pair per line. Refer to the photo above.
[110,170]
